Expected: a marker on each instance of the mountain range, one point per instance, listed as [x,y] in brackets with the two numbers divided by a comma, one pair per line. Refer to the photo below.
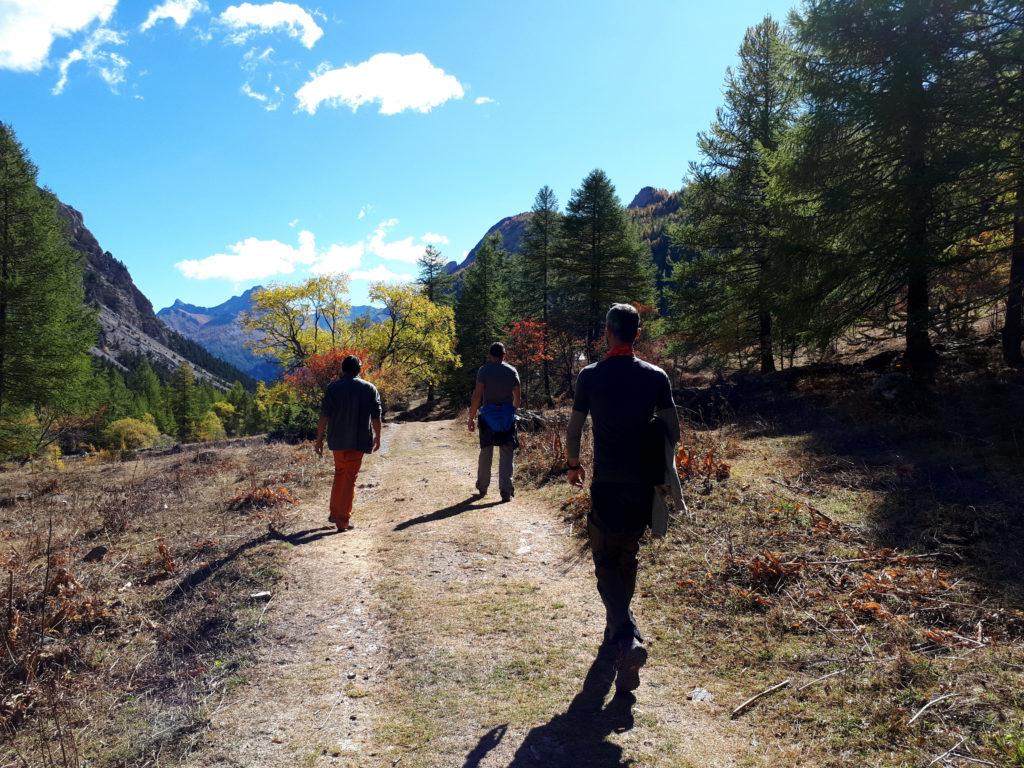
[219,330]
[212,338]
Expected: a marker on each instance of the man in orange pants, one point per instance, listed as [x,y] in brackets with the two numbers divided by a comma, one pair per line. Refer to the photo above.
[350,417]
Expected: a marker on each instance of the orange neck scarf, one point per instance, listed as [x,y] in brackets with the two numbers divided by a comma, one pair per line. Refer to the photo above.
[620,350]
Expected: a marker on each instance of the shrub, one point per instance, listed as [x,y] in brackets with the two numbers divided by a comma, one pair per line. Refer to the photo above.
[210,428]
[130,434]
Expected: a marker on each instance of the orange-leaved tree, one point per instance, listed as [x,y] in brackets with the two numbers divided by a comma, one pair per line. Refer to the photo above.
[526,347]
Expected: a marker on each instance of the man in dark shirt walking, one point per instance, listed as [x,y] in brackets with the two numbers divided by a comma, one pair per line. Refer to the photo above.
[498,390]
[622,394]
[350,415]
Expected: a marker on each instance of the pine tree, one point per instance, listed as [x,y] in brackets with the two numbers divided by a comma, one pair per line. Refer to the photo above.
[542,242]
[995,95]
[185,403]
[731,221]
[601,260]
[45,330]
[437,284]
[888,148]
[482,309]
[146,385]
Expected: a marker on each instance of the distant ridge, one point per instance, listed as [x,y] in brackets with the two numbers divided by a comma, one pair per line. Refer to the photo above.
[651,209]
[128,325]
[219,330]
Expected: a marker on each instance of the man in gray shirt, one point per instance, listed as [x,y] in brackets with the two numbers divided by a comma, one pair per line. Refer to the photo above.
[495,398]
[350,415]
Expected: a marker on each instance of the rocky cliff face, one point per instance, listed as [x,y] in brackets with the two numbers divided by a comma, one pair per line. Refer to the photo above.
[128,325]
[511,229]
[651,210]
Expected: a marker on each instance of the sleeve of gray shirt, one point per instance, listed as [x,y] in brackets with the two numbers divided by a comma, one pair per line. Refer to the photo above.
[374,403]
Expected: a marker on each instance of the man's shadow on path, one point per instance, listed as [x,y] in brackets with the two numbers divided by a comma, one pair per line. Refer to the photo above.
[577,737]
[452,511]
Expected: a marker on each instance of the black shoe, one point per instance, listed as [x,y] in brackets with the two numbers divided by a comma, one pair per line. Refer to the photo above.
[633,657]
[506,498]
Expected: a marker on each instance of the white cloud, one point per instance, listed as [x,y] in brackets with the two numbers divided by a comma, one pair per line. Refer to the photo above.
[178,11]
[432,238]
[397,82]
[270,101]
[381,274]
[406,250]
[109,65]
[248,19]
[252,259]
[29,27]
[340,258]
[363,211]
[480,100]
[255,259]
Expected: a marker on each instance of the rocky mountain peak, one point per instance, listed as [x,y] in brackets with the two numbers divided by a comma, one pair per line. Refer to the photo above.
[649,196]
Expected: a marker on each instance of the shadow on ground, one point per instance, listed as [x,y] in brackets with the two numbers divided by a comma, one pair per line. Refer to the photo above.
[578,736]
[947,464]
[450,511]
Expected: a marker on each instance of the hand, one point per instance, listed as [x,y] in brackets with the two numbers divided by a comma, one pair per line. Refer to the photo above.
[576,476]
[319,448]
[471,424]
[376,443]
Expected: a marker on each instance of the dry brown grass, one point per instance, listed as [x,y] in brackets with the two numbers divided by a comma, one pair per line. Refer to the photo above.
[125,599]
[868,553]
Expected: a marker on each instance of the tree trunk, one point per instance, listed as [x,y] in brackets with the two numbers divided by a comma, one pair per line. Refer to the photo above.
[919,354]
[767,353]
[431,393]
[1013,330]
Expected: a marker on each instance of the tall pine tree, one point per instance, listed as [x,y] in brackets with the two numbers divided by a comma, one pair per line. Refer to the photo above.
[888,146]
[437,283]
[731,221]
[482,309]
[45,330]
[542,243]
[601,261]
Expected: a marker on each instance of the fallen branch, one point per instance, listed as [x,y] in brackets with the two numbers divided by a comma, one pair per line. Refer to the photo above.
[970,759]
[949,751]
[754,699]
[864,559]
[936,700]
[826,677]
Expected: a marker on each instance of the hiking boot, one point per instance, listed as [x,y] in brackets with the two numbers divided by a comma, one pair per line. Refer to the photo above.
[506,498]
[632,657]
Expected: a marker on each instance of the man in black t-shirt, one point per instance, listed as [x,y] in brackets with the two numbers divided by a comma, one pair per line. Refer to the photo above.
[622,394]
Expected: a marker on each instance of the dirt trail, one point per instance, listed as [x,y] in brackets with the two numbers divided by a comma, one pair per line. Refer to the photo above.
[445,632]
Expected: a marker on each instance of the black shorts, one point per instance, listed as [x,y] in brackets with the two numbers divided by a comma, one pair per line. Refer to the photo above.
[621,507]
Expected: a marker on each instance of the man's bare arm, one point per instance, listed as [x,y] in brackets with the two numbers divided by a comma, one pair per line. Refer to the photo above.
[375,423]
[321,430]
[474,406]
[573,438]
[517,396]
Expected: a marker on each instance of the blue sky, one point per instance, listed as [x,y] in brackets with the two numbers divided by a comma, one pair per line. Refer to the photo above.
[213,145]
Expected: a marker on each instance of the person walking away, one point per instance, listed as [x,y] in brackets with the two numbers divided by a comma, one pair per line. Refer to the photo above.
[496,398]
[625,398]
[350,417]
